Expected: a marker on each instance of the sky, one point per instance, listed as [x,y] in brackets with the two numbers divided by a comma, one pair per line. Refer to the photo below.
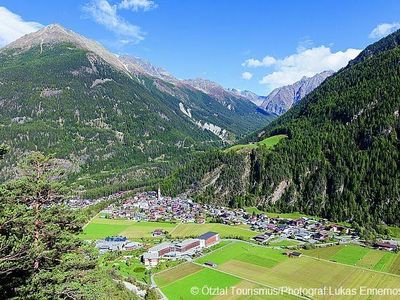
[255,45]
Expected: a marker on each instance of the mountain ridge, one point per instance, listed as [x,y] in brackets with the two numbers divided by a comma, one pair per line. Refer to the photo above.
[283,98]
[340,159]
[89,109]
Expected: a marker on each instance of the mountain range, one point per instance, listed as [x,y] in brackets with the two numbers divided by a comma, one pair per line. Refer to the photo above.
[102,114]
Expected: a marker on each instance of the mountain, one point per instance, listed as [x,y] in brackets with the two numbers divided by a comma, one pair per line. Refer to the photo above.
[108,119]
[253,97]
[283,98]
[335,154]
[138,66]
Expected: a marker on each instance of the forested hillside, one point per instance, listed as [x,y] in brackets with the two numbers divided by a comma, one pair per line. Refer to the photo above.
[340,160]
[63,94]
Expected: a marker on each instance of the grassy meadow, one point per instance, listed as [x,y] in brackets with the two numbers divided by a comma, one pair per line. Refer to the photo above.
[177,283]
[269,143]
[100,228]
[240,263]
[358,256]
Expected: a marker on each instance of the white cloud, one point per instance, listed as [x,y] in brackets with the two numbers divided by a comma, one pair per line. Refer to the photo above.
[247,75]
[104,13]
[254,63]
[12,26]
[383,30]
[307,62]
[136,5]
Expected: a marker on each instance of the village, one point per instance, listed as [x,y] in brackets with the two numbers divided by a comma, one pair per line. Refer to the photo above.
[153,207]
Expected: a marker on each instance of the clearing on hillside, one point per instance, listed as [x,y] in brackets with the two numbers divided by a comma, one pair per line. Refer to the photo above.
[269,143]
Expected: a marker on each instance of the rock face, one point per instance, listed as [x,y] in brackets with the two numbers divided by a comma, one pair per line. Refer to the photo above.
[253,97]
[283,98]
[139,66]
[210,88]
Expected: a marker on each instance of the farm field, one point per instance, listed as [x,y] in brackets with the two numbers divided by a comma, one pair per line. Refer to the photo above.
[100,228]
[359,256]
[270,267]
[225,231]
[258,255]
[177,283]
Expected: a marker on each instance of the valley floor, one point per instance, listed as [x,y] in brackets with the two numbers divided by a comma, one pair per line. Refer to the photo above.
[247,268]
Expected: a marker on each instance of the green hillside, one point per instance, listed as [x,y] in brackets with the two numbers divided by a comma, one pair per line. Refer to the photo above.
[341,157]
[107,125]
[268,142]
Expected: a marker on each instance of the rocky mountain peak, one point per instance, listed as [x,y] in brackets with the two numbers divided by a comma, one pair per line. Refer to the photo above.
[283,98]
[140,66]
[57,34]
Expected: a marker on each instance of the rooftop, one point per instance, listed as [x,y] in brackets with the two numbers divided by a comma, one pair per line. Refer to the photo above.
[207,235]
[160,246]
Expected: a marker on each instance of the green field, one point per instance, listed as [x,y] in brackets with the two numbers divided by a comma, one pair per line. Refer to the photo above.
[359,256]
[350,254]
[177,283]
[258,255]
[283,243]
[100,228]
[262,266]
[205,277]
[225,231]
[285,271]
[269,143]
[394,231]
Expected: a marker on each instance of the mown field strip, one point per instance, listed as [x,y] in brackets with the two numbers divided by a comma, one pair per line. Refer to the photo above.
[357,256]
[249,280]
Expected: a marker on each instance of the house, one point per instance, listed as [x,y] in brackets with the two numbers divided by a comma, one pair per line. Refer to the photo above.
[210,264]
[263,238]
[186,245]
[208,239]
[386,246]
[302,235]
[150,259]
[200,220]
[293,254]
[320,236]
[162,249]
[297,222]
[113,243]
[338,229]
[272,227]
[158,232]
[132,246]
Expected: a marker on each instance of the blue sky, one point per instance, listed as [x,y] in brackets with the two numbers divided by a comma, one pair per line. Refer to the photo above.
[255,45]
